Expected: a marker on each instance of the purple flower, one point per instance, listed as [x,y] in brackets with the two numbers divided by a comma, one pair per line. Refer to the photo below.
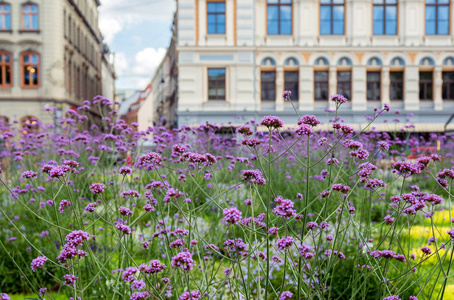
[271,122]
[38,262]
[426,250]
[29,174]
[286,95]
[338,99]
[309,120]
[97,188]
[231,215]
[253,176]
[124,211]
[284,243]
[286,295]
[70,280]
[183,260]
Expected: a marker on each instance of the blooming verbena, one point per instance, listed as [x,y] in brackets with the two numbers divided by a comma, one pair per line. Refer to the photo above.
[286,95]
[125,171]
[426,250]
[38,262]
[338,99]
[29,174]
[194,295]
[286,295]
[97,188]
[394,297]
[284,208]
[284,243]
[253,176]
[149,161]
[4,296]
[124,211]
[310,120]
[304,129]
[245,130]
[183,260]
[64,204]
[272,122]
[231,215]
[70,279]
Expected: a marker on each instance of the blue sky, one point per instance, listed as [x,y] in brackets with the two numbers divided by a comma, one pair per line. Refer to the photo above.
[138,31]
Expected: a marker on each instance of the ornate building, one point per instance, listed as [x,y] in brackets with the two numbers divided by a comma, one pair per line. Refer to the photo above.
[235,57]
[51,53]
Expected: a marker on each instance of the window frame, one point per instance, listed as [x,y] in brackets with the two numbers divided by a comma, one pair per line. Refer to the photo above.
[295,96]
[443,86]
[216,81]
[324,70]
[3,14]
[385,5]
[350,82]
[216,14]
[30,15]
[425,84]
[3,68]
[437,6]
[331,5]
[279,5]
[268,82]
[379,71]
[22,66]
[394,83]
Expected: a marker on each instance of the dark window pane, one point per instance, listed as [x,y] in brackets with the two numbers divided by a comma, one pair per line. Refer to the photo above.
[268,85]
[425,85]
[291,83]
[373,86]
[216,84]
[321,85]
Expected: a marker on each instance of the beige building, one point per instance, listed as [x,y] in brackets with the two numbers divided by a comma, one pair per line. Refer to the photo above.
[236,57]
[51,55]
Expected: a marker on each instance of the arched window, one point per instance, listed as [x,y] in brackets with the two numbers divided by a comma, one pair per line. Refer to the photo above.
[427,61]
[344,61]
[448,61]
[321,61]
[30,69]
[397,61]
[5,16]
[291,61]
[30,16]
[268,61]
[5,69]
[374,61]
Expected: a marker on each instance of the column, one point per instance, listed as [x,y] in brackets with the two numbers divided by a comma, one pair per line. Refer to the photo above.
[306,99]
[279,88]
[359,84]
[385,84]
[411,85]
[438,85]
[332,85]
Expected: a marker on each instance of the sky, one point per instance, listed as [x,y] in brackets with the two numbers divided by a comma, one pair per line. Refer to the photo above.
[138,31]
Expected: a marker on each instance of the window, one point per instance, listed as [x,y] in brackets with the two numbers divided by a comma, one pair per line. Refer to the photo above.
[291,83]
[216,17]
[5,16]
[437,16]
[30,17]
[373,86]
[321,85]
[344,83]
[385,17]
[396,88]
[216,84]
[448,85]
[30,69]
[425,85]
[279,16]
[332,16]
[5,69]
[268,82]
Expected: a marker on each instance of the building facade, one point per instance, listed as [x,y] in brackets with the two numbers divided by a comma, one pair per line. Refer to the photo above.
[50,55]
[236,57]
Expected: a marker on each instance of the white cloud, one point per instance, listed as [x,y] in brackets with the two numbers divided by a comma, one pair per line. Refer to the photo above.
[136,72]
[115,15]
